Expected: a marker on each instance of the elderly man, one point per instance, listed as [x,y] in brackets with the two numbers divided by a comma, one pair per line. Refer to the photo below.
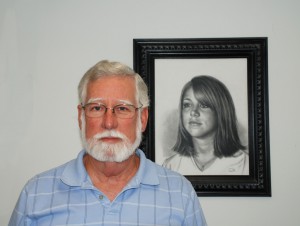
[111,182]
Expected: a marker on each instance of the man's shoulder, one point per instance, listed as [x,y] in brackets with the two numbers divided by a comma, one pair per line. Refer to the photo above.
[160,169]
[165,171]
[170,177]
[45,177]
[55,171]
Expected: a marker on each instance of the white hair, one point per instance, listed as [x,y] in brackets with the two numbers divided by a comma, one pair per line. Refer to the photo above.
[108,68]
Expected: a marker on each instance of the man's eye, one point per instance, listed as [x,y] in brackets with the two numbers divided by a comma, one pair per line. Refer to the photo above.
[122,109]
[96,108]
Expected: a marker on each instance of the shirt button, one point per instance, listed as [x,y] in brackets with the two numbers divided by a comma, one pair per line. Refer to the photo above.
[101,197]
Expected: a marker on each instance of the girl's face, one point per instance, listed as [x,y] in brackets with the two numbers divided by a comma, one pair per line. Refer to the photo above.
[199,120]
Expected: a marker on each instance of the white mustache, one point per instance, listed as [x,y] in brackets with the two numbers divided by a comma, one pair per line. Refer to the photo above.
[109,133]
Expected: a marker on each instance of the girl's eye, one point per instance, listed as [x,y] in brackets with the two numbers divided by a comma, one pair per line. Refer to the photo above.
[202,105]
[186,106]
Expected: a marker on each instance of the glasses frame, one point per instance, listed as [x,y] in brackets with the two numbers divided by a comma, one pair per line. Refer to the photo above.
[83,106]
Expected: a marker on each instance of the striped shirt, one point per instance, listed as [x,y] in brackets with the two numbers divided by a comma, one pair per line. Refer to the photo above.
[66,196]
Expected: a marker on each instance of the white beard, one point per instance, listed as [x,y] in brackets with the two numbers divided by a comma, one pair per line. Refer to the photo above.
[107,152]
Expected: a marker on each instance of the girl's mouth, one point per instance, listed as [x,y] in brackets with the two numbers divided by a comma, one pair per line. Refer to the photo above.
[194,123]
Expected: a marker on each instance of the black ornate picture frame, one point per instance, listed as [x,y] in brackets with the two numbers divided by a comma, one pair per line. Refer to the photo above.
[165,63]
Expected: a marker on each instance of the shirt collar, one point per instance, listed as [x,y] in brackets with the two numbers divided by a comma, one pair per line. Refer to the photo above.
[75,173]
[146,174]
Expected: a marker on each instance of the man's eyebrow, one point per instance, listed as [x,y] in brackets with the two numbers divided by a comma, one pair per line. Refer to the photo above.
[98,99]
[125,102]
[94,100]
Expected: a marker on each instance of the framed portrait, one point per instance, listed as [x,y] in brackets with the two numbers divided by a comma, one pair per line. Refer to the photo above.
[208,114]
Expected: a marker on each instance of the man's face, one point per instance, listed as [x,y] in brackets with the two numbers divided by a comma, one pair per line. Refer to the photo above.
[111,91]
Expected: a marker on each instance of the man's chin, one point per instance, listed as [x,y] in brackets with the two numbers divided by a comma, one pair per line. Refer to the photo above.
[111,158]
[109,155]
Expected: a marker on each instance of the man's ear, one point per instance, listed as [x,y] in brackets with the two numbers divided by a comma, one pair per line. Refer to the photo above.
[79,109]
[144,118]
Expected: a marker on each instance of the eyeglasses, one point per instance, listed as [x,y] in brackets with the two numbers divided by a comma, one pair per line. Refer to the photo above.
[96,110]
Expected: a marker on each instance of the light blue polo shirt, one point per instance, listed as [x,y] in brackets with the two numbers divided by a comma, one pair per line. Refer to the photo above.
[66,196]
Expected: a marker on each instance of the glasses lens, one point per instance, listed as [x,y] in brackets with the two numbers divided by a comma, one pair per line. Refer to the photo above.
[124,111]
[94,110]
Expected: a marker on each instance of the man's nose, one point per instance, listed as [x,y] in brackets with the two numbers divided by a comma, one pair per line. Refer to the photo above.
[109,119]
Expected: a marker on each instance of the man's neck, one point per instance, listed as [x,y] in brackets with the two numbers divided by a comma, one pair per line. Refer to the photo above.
[111,177]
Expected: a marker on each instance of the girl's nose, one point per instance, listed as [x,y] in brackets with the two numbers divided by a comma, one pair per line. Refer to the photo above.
[195,113]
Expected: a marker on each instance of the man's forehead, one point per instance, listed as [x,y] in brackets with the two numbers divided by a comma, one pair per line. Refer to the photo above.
[121,78]
[111,90]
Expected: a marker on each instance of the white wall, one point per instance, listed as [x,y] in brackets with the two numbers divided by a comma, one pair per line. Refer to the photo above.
[46,46]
